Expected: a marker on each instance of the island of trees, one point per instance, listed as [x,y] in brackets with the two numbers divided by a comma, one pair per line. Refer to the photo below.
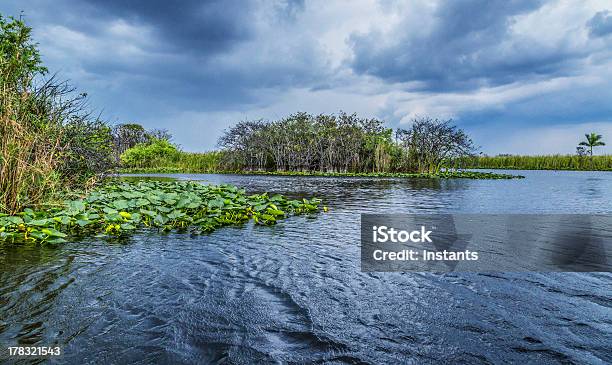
[343,143]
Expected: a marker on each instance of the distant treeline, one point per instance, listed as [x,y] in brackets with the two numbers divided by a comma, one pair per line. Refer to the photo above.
[547,162]
[342,143]
[302,142]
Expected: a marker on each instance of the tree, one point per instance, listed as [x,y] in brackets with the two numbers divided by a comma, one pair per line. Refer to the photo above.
[19,57]
[581,151]
[128,135]
[342,143]
[592,140]
[433,143]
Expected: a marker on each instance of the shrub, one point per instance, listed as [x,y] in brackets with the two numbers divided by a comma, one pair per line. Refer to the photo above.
[147,154]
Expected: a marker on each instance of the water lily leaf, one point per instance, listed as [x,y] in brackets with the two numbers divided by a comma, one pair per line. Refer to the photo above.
[39,222]
[216,203]
[52,232]
[193,204]
[75,207]
[182,203]
[142,202]
[38,235]
[160,220]
[261,207]
[275,212]
[148,212]
[82,222]
[176,214]
[164,209]
[276,198]
[14,220]
[113,217]
[65,220]
[121,204]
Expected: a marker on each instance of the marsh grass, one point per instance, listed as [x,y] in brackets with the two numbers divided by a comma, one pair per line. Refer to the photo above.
[447,174]
[29,157]
[543,162]
[49,142]
[177,162]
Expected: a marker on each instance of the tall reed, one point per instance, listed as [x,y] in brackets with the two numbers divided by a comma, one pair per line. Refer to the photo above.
[48,139]
[179,161]
[542,162]
[28,159]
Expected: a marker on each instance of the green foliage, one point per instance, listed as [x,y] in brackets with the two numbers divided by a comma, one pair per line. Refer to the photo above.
[342,143]
[19,56]
[48,141]
[424,175]
[592,140]
[119,209]
[548,162]
[149,154]
[128,135]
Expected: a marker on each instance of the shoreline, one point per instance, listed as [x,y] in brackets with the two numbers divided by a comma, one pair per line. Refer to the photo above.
[534,169]
[442,175]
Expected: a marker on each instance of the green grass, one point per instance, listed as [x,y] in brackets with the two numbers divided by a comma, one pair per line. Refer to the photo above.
[118,209]
[211,163]
[177,162]
[440,175]
[545,162]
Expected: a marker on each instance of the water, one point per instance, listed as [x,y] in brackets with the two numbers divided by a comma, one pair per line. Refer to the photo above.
[294,292]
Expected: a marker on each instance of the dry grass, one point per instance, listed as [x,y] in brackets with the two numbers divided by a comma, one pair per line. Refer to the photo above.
[28,158]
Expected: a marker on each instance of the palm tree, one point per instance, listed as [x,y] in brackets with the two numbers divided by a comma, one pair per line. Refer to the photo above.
[592,140]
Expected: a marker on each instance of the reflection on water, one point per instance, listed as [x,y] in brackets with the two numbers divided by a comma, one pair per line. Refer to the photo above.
[294,292]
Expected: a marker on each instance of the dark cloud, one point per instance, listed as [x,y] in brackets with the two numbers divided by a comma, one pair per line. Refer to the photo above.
[197,55]
[600,24]
[186,25]
[470,46]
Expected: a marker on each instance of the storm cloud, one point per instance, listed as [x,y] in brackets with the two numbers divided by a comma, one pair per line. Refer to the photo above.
[601,24]
[466,45]
[196,67]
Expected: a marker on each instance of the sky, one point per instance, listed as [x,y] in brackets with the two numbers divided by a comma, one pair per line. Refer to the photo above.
[521,77]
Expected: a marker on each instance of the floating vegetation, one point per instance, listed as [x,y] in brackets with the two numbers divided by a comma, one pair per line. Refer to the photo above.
[121,208]
[439,175]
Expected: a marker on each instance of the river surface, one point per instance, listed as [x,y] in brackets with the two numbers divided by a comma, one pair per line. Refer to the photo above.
[294,292]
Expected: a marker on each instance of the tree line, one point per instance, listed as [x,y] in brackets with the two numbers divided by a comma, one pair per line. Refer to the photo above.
[343,143]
